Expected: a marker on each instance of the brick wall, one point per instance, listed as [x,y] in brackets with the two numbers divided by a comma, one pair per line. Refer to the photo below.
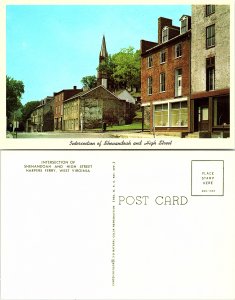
[168,68]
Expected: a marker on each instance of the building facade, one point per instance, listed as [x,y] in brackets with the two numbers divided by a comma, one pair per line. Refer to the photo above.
[90,109]
[41,118]
[48,114]
[59,99]
[210,69]
[165,77]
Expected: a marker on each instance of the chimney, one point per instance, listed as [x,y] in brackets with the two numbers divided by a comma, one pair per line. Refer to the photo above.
[162,22]
[104,82]
[74,87]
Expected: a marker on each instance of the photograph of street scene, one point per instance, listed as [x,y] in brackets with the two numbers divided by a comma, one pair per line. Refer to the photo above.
[121,71]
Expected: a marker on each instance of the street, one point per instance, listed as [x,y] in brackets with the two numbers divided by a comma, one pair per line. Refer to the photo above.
[89,134]
[85,134]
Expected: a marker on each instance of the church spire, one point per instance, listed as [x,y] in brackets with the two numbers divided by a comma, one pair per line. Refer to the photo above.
[103,51]
[102,74]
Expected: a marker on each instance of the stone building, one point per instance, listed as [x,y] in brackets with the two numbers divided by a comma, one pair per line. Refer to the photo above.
[130,106]
[90,109]
[59,99]
[210,68]
[41,118]
[165,77]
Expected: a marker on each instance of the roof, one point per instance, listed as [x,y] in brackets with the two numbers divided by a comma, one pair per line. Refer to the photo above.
[85,93]
[125,95]
[184,16]
[65,90]
[158,46]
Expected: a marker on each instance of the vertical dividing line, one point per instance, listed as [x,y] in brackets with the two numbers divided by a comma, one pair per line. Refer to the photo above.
[113,221]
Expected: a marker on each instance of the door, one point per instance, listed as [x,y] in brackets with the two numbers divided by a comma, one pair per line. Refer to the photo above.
[203,118]
[178,82]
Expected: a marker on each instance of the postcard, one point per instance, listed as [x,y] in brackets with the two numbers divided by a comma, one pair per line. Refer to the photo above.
[117,224]
[117,75]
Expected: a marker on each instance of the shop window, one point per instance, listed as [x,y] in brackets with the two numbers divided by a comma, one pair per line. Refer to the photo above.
[161,115]
[221,111]
[179,114]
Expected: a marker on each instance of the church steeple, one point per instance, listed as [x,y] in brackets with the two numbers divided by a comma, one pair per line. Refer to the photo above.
[102,74]
[103,51]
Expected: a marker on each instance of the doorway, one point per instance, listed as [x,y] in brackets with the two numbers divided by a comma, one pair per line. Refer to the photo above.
[203,118]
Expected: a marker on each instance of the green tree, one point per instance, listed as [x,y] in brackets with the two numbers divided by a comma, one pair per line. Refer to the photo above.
[123,68]
[14,91]
[89,81]
[27,109]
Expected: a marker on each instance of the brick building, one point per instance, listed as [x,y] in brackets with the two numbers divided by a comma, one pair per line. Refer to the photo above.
[165,76]
[210,69]
[59,99]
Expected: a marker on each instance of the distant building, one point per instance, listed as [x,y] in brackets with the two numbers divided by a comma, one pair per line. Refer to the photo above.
[90,109]
[125,95]
[210,68]
[59,99]
[165,77]
[41,118]
[48,114]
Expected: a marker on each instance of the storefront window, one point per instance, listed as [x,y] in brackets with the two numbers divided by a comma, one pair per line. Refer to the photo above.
[221,111]
[179,114]
[161,115]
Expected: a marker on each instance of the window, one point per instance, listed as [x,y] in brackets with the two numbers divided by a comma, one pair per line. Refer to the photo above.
[210,36]
[165,34]
[210,9]
[211,79]
[210,73]
[178,50]
[178,82]
[221,111]
[184,25]
[150,85]
[161,115]
[162,82]
[179,114]
[162,57]
[150,61]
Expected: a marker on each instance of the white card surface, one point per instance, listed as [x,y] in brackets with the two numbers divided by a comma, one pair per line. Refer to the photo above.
[117,225]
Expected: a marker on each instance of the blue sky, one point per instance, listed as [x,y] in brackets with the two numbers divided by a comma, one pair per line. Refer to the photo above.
[51,47]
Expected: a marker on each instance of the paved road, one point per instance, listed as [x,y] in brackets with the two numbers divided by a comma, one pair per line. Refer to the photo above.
[75,135]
